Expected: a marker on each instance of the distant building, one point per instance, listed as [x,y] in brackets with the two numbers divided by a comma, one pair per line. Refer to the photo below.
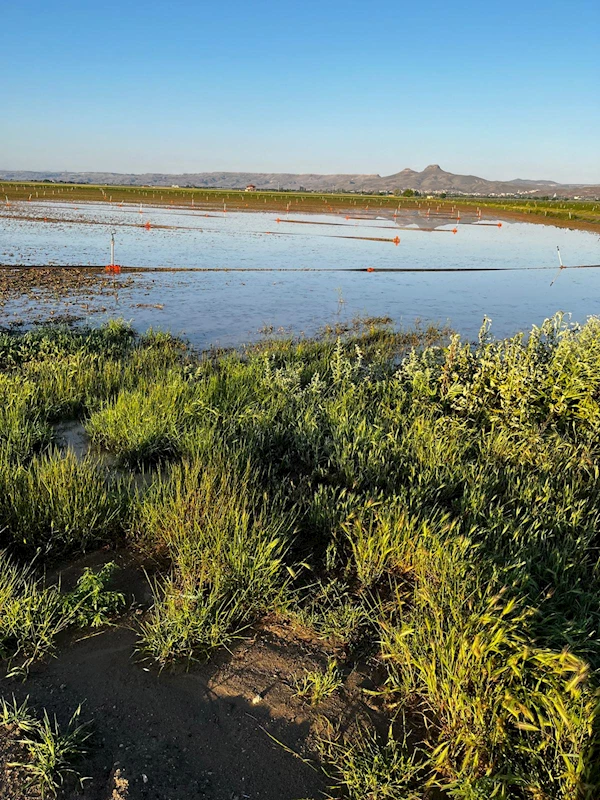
[251,187]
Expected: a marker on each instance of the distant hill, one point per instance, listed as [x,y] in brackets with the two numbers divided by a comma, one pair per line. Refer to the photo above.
[432,180]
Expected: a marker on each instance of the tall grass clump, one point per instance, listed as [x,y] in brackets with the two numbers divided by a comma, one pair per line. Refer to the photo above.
[226,545]
[59,503]
[31,614]
[368,767]
[508,714]
[23,427]
[146,424]
[53,750]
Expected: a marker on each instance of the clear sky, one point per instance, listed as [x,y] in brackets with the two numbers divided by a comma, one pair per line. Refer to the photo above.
[502,90]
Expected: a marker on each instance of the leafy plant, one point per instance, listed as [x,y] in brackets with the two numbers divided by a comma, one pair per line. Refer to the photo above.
[91,603]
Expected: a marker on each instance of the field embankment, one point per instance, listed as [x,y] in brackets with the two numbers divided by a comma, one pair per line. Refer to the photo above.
[374,555]
[579,214]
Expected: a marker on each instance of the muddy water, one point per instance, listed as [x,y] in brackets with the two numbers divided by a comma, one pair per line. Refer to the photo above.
[72,435]
[302,274]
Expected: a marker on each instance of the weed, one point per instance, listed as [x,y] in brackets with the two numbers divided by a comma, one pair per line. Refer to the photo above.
[53,752]
[91,603]
[366,768]
[317,685]
[33,614]
[13,714]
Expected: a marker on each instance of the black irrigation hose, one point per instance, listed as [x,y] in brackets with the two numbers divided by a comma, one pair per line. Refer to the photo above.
[298,269]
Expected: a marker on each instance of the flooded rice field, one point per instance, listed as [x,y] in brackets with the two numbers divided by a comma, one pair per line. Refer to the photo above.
[222,278]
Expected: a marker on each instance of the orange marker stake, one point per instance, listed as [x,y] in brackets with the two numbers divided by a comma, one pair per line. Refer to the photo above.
[454,230]
[396,241]
[147,226]
[370,269]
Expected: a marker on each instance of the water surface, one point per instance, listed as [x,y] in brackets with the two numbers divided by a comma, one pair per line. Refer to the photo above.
[211,306]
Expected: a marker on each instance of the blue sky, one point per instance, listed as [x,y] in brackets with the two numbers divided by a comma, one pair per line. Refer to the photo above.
[502,90]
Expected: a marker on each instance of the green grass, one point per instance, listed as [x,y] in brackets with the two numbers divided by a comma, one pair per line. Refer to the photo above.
[145,426]
[33,612]
[425,503]
[53,751]
[368,767]
[226,546]
[31,615]
[57,503]
[317,685]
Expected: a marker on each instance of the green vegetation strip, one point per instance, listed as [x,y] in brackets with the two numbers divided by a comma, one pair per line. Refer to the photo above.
[419,503]
[572,213]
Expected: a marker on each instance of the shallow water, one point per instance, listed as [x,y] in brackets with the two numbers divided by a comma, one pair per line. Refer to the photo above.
[214,307]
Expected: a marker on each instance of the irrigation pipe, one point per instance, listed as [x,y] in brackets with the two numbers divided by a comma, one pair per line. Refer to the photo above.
[133,269]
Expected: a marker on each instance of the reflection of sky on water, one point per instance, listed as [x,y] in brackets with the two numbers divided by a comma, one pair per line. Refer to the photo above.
[229,307]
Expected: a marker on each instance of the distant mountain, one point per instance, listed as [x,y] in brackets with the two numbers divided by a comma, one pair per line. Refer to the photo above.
[432,180]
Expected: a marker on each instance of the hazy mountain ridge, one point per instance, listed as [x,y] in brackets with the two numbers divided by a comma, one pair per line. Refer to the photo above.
[431,180]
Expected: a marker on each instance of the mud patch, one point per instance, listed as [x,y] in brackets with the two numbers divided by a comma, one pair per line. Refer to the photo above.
[65,295]
[231,728]
[72,435]
[194,734]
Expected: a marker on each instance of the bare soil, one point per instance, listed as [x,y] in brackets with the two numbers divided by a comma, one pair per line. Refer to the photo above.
[231,729]
[14,778]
